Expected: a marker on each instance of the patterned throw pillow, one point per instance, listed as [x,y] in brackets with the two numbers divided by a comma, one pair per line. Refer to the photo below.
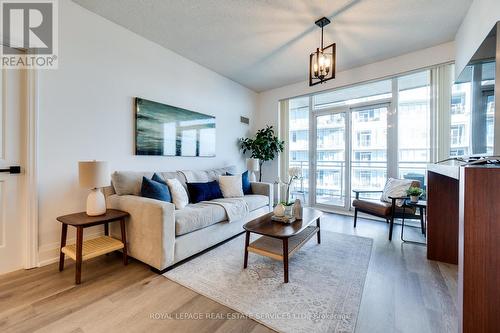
[395,188]
[231,186]
[179,194]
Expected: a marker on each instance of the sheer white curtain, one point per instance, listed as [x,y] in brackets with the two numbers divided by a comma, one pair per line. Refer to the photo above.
[284,135]
[441,83]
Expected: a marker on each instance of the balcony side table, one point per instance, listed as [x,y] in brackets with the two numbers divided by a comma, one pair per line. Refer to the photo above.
[421,205]
[84,250]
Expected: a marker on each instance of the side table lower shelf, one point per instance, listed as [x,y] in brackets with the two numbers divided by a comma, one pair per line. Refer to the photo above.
[94,247]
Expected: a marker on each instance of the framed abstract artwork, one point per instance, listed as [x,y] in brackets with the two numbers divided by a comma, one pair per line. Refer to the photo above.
[165,130]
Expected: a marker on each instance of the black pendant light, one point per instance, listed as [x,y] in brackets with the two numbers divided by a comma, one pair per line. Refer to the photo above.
[322,61]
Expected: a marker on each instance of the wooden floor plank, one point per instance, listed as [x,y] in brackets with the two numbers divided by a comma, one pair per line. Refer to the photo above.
[404,292]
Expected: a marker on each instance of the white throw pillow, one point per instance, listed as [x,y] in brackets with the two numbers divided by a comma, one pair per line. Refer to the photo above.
[178,192]
[231,186]
[395,188]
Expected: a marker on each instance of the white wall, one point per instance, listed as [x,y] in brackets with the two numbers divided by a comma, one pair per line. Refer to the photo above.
[86,110]
[268,101]
[478,22]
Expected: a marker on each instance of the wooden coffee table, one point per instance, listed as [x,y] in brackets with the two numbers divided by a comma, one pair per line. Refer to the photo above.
[279,240]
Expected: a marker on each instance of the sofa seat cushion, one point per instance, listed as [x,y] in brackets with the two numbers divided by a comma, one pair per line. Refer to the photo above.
[256,201]
[379,208]
[197,216]
[201,215]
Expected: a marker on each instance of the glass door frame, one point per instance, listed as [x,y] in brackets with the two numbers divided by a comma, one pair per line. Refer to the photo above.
[347,110]
[313,148]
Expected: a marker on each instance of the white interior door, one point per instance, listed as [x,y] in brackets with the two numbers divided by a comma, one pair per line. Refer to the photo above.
[13,208]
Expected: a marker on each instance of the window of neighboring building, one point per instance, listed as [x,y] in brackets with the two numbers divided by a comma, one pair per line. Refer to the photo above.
[472,111]
[457,135]
[364,138]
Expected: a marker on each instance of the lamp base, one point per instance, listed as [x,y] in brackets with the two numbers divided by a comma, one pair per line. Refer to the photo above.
[96,204]
[251,176]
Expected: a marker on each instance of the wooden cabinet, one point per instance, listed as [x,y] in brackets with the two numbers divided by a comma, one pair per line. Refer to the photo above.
[463,216]
[479,249]
[442,217]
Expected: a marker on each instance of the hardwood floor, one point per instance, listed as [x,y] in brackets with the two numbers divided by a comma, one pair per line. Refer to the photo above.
[404,292]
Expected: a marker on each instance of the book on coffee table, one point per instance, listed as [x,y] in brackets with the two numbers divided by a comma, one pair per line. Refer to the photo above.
[283,219]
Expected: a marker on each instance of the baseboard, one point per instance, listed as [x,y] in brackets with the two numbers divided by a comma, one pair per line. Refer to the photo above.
[49,253]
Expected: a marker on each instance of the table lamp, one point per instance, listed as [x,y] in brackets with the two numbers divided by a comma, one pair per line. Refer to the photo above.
[93,175]
[252,167]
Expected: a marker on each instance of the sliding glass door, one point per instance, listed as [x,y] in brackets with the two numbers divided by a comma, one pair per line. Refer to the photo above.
[330,142]
[350,148]
[356,137]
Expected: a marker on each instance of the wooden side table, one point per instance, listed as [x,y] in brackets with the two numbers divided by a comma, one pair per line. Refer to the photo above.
[94,247]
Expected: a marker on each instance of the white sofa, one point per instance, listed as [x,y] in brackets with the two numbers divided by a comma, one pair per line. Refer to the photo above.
[161,236]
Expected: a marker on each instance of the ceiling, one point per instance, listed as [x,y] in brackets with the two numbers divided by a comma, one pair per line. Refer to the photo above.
[265,44]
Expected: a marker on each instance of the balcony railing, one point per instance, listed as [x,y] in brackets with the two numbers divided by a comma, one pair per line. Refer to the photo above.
[365,175]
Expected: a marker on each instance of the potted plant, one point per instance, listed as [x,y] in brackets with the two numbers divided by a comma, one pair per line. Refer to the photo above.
[265,146]
[414,193]
[294,173]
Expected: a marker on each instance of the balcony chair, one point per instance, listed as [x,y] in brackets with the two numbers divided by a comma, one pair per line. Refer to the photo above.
[386,210]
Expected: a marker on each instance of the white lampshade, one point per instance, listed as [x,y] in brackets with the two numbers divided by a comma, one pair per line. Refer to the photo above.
[253,164]
[93,174]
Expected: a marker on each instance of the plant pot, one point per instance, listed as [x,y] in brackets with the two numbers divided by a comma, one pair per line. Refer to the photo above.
[414,198]
[289,210]
[279,210]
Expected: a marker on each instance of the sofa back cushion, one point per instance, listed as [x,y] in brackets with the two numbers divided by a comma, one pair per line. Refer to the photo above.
[205,176]
[129,182]
[203,191]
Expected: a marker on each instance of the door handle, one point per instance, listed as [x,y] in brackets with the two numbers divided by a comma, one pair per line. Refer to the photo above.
[12,169]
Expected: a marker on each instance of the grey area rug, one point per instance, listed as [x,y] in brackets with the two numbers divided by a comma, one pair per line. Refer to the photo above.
[323,295]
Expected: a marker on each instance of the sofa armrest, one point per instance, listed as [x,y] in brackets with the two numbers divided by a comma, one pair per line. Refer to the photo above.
[150,228]
[263,189]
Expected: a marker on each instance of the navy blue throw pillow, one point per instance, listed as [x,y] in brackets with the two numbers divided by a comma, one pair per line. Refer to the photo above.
[155,190]
[158,179]
[247,188]
[245,182]
[204,191]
